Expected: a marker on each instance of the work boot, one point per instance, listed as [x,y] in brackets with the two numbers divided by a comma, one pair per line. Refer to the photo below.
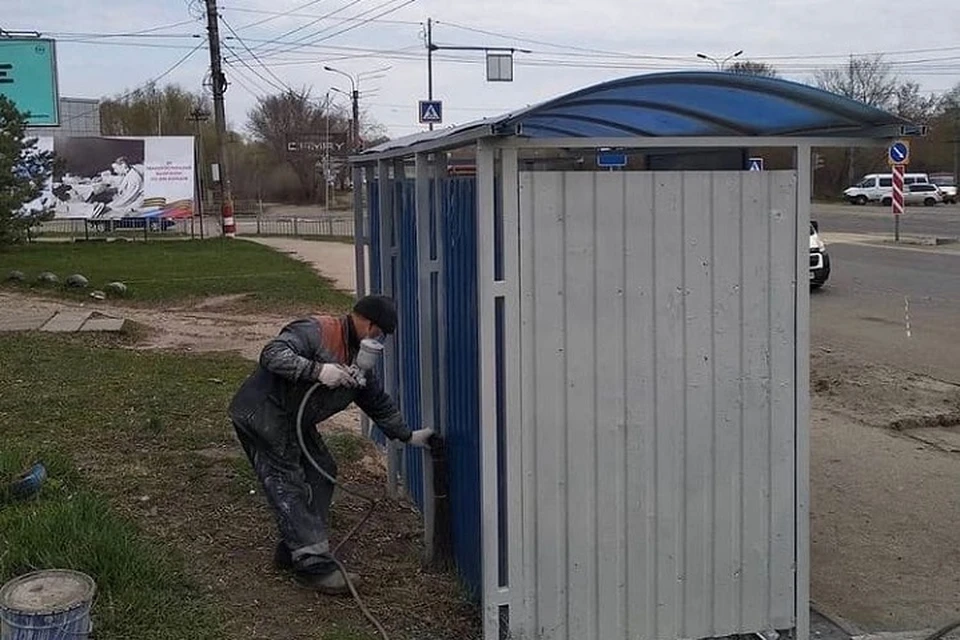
[331,584]
[282,560]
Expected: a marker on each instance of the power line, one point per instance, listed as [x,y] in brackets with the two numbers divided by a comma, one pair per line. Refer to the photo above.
[363,22]
[242,79]
[279,87]
[150,82]
[279,14]
[353,3]
[141,31]
[275,15]
[250,51]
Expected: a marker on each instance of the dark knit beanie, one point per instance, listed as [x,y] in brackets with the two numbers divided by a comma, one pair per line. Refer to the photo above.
[380,310]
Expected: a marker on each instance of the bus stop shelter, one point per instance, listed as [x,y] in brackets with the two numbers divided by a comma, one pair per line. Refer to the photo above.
[609,324]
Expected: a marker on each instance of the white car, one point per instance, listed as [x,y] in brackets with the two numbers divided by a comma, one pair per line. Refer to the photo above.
[926,194]
[947,186]
[876,187]
[819,258]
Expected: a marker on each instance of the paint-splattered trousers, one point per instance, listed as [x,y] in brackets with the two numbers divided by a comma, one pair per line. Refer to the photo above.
[298,494]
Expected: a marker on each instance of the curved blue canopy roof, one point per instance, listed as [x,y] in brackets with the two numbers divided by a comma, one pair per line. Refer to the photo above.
[685,104]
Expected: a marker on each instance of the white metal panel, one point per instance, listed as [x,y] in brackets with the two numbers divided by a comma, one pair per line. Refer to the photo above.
[610,407]
[802,413]
[660,497]
[726,386]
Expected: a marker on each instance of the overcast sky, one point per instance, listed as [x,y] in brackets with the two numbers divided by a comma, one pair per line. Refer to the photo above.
[572,44]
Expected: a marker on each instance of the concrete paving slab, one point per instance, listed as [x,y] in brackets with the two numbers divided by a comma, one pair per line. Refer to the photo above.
[23,319]
[103,323]
[66,321]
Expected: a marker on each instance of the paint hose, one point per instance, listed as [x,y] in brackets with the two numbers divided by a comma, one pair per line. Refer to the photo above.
[374,503]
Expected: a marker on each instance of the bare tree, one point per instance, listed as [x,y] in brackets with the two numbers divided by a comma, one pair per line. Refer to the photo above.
[910,103]
[280,119]
[752,68]
[868,80]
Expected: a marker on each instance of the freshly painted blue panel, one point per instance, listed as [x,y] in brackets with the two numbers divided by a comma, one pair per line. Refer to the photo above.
[408,327]
[462,422]
[376,270]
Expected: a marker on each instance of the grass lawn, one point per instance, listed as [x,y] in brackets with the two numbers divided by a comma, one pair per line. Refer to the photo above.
[181,271]
[78,408]
[149,494]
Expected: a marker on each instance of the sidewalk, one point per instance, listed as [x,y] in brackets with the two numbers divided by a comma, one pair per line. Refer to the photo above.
[333,260]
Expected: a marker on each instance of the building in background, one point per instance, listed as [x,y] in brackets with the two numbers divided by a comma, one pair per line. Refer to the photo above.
[79,118]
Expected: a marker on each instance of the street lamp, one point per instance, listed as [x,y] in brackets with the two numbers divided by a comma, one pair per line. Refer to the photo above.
[354,96]
[720,63]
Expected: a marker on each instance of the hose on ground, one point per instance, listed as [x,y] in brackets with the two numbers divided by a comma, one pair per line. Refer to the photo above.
[353,530]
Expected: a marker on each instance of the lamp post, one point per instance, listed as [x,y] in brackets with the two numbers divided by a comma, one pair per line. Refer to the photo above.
[720,63]
[354,96]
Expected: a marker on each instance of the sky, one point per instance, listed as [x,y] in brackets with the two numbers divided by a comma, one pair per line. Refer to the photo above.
[274,45]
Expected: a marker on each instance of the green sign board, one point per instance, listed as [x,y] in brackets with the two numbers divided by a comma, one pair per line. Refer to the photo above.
[28,77]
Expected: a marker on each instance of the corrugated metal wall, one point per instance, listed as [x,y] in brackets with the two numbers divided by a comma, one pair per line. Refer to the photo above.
[408,328]
[657,367]
[458,210]
[376,272]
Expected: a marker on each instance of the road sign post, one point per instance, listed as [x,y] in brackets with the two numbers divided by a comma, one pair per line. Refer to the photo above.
[897,199]
[898,155]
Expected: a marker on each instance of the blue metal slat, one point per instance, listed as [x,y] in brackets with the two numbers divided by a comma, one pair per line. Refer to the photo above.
[408,280]
[461,368]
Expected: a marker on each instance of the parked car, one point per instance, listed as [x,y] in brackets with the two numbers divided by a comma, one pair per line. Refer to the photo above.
[926,194]
[876,186]
[819,258]
[947,185]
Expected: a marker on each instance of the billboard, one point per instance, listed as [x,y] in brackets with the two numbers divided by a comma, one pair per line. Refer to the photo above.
[28,77]
[114,178]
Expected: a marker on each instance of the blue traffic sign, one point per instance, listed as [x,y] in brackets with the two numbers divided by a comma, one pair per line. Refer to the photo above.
[756,164]
[899,153]
[608,159]
[431,112]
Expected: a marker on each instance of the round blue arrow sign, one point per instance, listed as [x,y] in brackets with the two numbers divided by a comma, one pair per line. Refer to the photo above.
[899,152]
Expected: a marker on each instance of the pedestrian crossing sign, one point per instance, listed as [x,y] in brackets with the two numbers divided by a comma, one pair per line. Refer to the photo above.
[431,112]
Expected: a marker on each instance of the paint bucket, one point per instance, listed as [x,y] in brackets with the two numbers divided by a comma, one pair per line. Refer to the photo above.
[47,605]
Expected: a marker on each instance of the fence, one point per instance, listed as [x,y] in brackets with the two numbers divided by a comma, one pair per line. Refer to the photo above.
[335,227]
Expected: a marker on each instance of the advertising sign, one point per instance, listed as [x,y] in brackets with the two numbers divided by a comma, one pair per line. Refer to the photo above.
[113,178]
[28,77]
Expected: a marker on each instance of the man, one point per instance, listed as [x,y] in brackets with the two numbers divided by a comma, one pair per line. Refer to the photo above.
[264,414]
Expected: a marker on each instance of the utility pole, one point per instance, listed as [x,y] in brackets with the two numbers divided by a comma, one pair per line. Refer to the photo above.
[219,82]
[430,48]
[197,116]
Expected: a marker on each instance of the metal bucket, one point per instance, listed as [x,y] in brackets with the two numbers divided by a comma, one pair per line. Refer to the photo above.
[47,605]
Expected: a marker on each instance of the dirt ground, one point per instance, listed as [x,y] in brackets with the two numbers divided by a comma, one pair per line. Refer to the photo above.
[885,483]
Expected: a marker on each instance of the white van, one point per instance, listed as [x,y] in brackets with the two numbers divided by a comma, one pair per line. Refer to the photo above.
[875,187]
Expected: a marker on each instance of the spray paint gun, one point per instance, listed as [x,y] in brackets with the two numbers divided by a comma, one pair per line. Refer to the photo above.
[367,359]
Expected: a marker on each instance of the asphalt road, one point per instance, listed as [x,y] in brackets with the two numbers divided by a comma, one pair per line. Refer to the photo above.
[898,306]
[942,220]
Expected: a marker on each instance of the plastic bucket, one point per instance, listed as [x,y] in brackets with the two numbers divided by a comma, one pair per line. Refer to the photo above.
[47,605]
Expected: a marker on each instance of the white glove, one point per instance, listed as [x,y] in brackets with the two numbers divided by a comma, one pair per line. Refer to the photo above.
[420,437]
[336,375]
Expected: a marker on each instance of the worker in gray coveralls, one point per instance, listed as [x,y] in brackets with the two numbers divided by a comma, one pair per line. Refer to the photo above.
[264,411]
